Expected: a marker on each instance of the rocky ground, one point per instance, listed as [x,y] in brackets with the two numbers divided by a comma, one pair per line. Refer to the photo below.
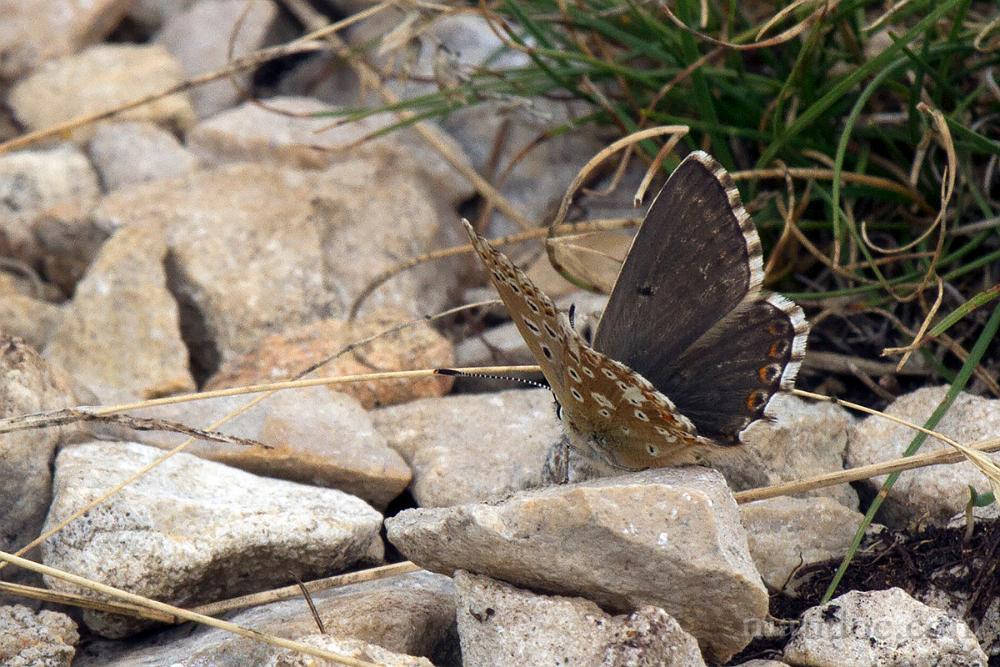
[206,241]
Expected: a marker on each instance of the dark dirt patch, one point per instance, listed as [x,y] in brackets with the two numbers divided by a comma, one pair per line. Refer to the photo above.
[932,558]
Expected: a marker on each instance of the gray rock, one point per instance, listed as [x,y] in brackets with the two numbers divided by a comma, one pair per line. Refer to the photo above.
[28,384]
[128,153]
[351,648]
[472,447]
[499,624]
[883,629]
[36,639]
[192,531]
[806,439]
[786,534]
[33,31]
[200,37]
[31,181]
[302,137]
[669,537]
[936,493]
[30,319]
[99,78]
[413,614]
[121,334]
[319,437]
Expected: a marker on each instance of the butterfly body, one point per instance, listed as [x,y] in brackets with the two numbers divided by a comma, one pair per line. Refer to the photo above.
[686,307]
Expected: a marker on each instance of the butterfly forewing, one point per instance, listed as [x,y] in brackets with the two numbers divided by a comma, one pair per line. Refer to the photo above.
[695,258]
[608,409]
[687,313]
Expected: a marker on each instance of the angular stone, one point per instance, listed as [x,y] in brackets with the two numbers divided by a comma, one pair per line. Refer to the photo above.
[412,614]
[28,385]
[302,137]
[350,648]
[191,531]
[121,336]
[501,625]
[936,493]
[805,439]
[67,240]
[319,437]
[669,537]
[878,629]
[33,31]
[36,639]
[98,79]
[283,356]
[31,181]
[786,534]
[128,153]
[30,319]
[201,39]
[247,261]
[472,447]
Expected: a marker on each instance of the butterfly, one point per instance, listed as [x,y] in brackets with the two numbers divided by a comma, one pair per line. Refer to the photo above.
[688,352]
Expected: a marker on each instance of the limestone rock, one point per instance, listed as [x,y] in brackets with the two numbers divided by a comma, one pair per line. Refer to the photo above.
[805,439]
[28,384]
[192,531]
[351,648]
[31,181]
[936,493]
[472,447]
[669,537]
[121,336]
[30,319]
[412,614]
[502,625]
[883,629]
[101,78]
[283,356]
[33,31]
[246,261]
[36,639]
[200,36]
[786,534]
[130,152]
[318,437]
[302,137]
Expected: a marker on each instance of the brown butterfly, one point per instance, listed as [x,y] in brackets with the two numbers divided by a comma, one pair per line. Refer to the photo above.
[688,352]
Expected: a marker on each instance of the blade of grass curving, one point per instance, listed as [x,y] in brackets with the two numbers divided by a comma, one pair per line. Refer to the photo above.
[809,115]
[986,337]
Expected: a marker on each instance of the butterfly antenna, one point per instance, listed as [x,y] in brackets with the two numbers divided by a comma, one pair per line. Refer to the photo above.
[509,378]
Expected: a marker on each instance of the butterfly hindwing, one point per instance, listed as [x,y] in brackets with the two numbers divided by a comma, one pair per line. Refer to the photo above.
[695,258]
[725,380]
